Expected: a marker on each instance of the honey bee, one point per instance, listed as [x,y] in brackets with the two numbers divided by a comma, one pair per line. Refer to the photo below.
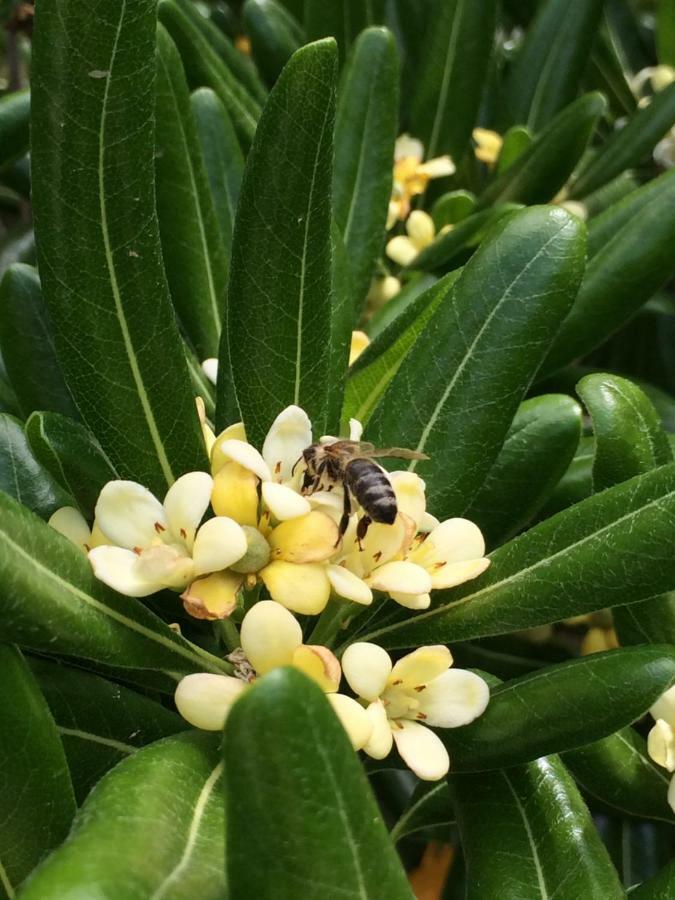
[351,464]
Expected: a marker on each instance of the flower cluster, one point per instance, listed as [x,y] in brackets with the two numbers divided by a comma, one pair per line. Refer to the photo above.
[412,175]
[661,739]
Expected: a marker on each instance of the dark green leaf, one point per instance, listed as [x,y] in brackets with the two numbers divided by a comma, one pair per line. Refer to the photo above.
[660,887]
[576,484]
[452,207]
[37,797]
[449,83]
[391,309]
[27,344]
[194,253]
[454,399]
[100,258]
[303,769]
[365,131]
[14,122]
[275,35]
[429,812]
[279,313]
[517,140]
[153,827]
[18,245]
[537,451]
[527,835]
[342,19]
[665,32]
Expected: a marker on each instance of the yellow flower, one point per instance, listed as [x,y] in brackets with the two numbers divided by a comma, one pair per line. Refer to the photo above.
[411,175]
[488,145]
[360,341]
[661,739]
[270,637]
[403,698]
[382,290]
[421,232]
[70,522]
[658,77]
[597,640]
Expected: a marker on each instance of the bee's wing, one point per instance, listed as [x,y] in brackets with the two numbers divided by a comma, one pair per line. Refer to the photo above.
[397,453]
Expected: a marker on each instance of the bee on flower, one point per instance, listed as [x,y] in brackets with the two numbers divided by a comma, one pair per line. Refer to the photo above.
[412,175]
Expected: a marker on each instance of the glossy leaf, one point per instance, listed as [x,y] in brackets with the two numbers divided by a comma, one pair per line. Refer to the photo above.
[365,131]
[14,124]
[279,313]
[618,541]
[577,482]
[73,614]
[167,843]
[536,453]
[274,34]
[527,835]
[618,771]
[37,797]
[429,812]
[317,789]
[101,270]
[454,399]
[28,346]
[450,80]
[99,722]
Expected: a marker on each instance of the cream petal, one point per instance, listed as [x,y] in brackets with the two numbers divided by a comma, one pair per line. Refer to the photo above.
[205,700]
[210,369]
[213,597]
[235,432]
[359,342]
[421,750]
[328,502]
[244,454]
[400,576]
[310,538]
[401,250]
[70,522]
[457,573]
[235,494]
[428,523]
[355,427]
[407,146]
[186,502]
[320,664]
[439,167]
[367,668]
[410,496]
[349,586]
[453,541]
[393,215]
[290,434]
[381,738]
[664,708]
[304,589]
[421,666]
[454,698]
[420,228]
[118,568]
[354,719]
[661,745]
[130,515]
[165,565]
[270,635]
[283,502]
[381,544]
[411,601]
[219,543]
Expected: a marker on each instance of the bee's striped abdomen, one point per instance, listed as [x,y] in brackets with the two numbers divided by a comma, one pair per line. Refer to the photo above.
[372,489]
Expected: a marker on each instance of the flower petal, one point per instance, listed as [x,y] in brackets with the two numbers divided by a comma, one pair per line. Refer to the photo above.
[401,250]
[355,429]
[290,434]
[411,601]
[381,544]
[447,576]
[204,700]
[407,146]
[664,708]
[420,228]
[421,666]
[381,738]
[243,453]
[453,541]
[421,750]
[235,494]
[130,515]
[354,718]
[410,496]
[671,793]
[213,597]
[186,502]
[219,543]
[270,635]
[349,586]
[210,369]
[167,566]
[283,502]
[454,698]
[70,522]
[232,432]
[118,568]
[359,342]
[661,745]
[309,538]
[367,668]
[320,664]
[438,167]
[303,588]
[401,576]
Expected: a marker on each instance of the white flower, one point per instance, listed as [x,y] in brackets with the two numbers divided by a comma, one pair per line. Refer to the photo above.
[661,738]
[488,145]
[404,698]
[411,175]
[210,369]
[421,232]
[70,522]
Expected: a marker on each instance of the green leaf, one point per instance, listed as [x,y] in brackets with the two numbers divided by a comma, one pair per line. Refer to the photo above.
[516,141]
[365,131]
[279,312]
[618,541]
[204,67]
[37,797]
[342,19]
[194,254]
[451,77]
[391,309]
[429,812]
[659,887]
[629,146]
[573,703]
[452,207]
[18,245]
[274,34]
[28,346]
[665,32]
[539,173]
[527,835]
[14,123]
[73,614]
[537,451]
[621,276]
[454,399]
[576,484]
[303,769]
[99,722]
[22,476]
[546,73]
[153,827]
[99,251]
[71,455]
[618,771]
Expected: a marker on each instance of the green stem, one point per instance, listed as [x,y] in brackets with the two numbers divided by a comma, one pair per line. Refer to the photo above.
[227,633]
[331,621]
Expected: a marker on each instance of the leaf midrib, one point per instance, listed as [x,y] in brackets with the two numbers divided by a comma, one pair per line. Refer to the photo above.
[530,837]
[445,82]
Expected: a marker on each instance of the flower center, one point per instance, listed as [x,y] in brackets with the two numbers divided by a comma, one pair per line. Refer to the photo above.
[257,552]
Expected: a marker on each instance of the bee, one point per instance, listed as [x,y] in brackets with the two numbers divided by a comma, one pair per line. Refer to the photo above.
[351,464]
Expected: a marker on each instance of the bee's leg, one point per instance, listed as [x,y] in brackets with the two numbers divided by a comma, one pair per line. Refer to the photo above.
[362,529]
[346,513]
[308,480]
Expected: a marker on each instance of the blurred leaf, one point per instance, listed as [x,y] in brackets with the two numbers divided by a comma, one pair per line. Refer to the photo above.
[37,797]
[516,141]
[452,207]
[514,292]
[342,19]
[665,32]
[429,812]
[605,73]
[97,263]
[274,34]
[28,346]
[167,843]
[384,315]
[365,131]
[659,887]
[318,791]
[14,122]
[279,314]
[18,245]
[527,835]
